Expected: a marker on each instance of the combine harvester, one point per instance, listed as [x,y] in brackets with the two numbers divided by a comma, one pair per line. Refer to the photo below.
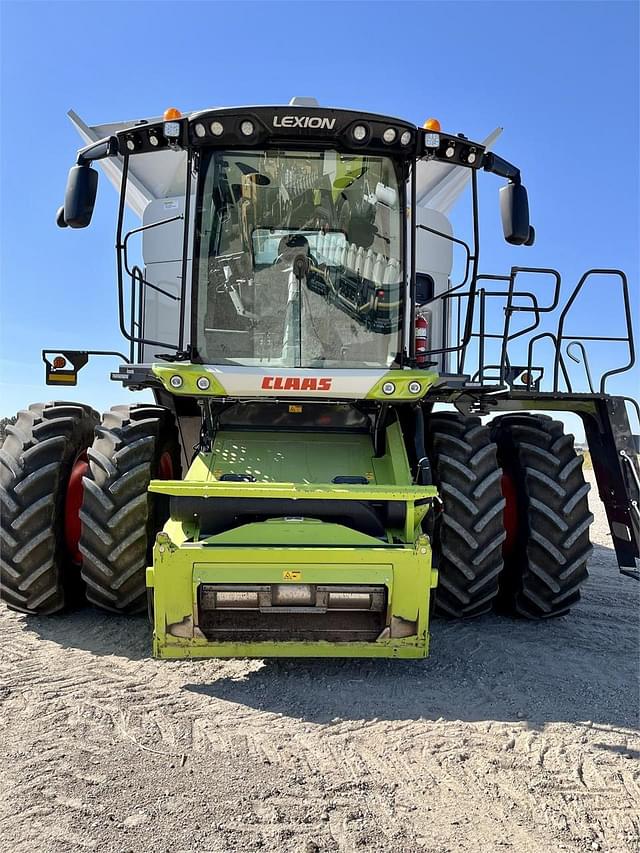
[295,489]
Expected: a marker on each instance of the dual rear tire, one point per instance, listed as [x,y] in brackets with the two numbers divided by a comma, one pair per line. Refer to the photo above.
[77,518]
[514,531]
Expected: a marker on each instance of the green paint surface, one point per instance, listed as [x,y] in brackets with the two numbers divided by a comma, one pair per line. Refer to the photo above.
[292,457]
[296,466]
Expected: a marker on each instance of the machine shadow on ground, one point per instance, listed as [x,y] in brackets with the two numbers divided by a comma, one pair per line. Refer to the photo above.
[90,629]
[580,667]
[574,668]
[499,669]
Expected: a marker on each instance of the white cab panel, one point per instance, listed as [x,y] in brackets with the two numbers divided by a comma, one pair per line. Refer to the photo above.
[434,257]
[162,253]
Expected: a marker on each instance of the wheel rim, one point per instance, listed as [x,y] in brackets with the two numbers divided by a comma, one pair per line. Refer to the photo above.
[72,504]
[165,466]
[510,514]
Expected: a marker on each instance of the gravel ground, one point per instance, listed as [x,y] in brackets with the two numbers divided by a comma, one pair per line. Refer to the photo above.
[511,736]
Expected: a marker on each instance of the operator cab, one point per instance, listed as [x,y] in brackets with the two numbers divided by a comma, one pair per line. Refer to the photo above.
[287,243]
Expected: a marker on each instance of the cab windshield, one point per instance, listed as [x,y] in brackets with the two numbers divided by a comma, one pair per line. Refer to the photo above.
[299,259]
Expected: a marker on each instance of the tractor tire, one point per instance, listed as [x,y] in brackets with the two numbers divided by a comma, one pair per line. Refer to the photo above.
[469,533]
[120,517]
[547,515]
[41,464]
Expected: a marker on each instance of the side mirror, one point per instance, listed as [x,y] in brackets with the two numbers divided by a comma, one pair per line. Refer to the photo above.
[60,220]
[514,210]
[80,196]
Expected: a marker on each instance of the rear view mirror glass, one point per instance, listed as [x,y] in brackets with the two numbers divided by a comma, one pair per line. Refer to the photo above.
[514,211]
[80,196]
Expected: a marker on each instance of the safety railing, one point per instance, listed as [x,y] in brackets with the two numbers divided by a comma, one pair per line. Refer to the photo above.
[471,360]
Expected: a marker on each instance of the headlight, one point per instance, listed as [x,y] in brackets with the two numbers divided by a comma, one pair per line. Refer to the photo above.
[415,387]
[388,388]
[405,139]
[203,383]
[389,135]
[359,132]
[247,128]
[171,129]
[216,128]
[176,381]
[200,130]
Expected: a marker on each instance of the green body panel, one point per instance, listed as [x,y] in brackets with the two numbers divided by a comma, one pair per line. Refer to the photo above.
[401,380]
[189,374]
[280,460]
[178,570]
[273,457]
[298,531]
[217,489]
[295,466]
[371,388]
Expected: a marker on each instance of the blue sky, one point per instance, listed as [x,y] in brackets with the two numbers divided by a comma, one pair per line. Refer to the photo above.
[561,78]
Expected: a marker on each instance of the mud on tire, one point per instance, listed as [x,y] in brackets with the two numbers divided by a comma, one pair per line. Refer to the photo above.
[36,570]
[469,535]
[546,564]
[120,518]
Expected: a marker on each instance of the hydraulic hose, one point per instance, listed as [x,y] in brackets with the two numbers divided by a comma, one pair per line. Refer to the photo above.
[423,467]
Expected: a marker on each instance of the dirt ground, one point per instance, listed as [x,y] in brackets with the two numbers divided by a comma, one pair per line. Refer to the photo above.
[511,736]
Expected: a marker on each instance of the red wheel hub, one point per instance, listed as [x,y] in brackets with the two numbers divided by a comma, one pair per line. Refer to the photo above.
[510,512]
[75,492]
[72,504]
[165,466]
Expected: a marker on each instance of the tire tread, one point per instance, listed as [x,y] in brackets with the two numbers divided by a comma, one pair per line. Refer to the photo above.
[543,575]
[119,515]
[470,533]
[37,457]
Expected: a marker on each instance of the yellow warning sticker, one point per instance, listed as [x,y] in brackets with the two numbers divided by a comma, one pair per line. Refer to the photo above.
[295,410]
[291,576]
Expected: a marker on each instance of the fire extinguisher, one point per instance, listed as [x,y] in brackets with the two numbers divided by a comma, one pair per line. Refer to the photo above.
[421,337]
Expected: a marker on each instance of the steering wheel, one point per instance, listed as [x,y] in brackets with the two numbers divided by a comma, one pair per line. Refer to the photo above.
[292,245]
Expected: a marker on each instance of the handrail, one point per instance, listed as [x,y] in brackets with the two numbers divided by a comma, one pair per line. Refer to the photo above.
[561,337]
[512,295]
[585,360]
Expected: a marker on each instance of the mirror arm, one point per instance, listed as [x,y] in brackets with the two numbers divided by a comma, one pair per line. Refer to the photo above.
[107,147]
[498,166]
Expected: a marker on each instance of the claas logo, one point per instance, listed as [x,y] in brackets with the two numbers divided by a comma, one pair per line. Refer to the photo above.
[296,383]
